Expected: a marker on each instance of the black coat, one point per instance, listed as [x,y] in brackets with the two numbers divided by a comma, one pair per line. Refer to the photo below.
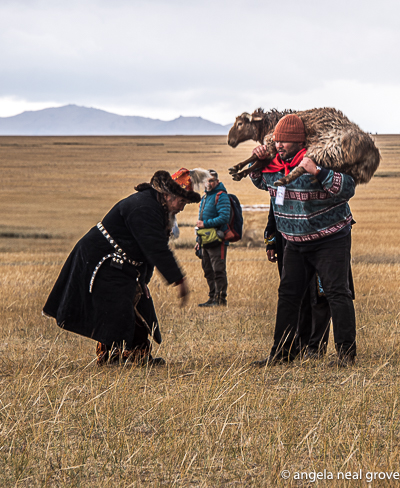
[139,224]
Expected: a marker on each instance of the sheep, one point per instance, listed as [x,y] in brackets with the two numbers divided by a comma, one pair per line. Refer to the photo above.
[332,141]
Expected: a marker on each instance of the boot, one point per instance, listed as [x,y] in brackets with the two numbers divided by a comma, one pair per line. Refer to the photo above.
[107,355]
[268,361]
[273,361]
[219,301]
[101,353]
[141,356]
[312,354]
[137,358]
[222,302]
[344,361]
[209,303]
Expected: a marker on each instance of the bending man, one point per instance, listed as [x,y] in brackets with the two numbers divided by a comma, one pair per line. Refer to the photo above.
[102,290]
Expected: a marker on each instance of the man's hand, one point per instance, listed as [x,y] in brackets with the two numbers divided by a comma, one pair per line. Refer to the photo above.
[183,292]
[271,255]
[261,152]
[309,165]
[200,224]
[197,246]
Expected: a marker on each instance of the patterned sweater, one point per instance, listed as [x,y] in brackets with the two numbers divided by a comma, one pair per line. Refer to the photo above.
[311,209]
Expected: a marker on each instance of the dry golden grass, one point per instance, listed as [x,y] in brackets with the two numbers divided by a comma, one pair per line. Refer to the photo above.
[206,419]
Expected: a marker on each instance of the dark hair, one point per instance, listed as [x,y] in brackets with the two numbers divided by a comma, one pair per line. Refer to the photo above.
[213,174]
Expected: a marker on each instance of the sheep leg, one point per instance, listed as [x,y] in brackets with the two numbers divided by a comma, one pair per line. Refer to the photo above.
[235,169]
[259,164]
[298,171]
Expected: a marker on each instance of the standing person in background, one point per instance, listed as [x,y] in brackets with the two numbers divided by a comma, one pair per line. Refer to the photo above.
[102,291]
[215,210]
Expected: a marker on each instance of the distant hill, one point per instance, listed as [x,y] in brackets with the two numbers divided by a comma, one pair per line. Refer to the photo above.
[72,120]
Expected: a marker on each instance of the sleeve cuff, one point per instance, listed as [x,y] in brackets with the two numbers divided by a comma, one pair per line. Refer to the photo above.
[322,174]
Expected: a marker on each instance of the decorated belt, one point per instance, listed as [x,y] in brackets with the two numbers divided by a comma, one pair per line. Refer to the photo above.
[119,257]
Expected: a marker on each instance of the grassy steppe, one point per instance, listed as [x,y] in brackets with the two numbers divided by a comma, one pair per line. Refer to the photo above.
[206,419]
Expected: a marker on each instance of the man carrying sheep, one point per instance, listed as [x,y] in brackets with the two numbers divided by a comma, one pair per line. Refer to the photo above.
[314,217]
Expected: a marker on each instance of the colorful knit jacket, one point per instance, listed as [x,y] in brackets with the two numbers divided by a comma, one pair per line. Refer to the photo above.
[311,209]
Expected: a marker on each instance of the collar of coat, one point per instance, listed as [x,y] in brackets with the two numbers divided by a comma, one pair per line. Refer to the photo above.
[219,187]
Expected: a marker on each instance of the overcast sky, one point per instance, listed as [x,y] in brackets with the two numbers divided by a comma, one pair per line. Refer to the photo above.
[208,58]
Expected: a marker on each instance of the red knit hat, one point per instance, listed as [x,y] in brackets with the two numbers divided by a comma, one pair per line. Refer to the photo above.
[290,129]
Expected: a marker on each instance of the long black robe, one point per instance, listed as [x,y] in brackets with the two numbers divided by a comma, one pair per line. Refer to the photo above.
[139,224]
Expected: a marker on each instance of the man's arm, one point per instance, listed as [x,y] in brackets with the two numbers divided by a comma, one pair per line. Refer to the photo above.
[337,184]
[256,177]
[269,236]
[146,224]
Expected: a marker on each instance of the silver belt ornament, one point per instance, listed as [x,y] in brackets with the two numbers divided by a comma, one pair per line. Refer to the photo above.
[119,257]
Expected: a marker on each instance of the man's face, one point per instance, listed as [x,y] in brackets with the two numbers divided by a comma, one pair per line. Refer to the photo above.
[175,204]
[211,184]
[288,150]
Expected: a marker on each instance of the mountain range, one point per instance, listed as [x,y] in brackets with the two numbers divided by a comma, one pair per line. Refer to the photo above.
[72,120]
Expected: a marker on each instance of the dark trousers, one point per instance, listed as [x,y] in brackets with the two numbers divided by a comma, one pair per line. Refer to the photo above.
[331,260]
[214,267]
[314,321]
[314,315]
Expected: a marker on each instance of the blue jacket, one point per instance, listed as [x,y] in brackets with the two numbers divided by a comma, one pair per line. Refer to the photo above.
[215,215]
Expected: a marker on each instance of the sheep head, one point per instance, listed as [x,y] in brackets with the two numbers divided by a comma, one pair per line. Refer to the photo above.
[244,128]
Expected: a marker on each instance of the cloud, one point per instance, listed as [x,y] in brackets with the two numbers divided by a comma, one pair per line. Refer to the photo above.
[10,106]
[208,58]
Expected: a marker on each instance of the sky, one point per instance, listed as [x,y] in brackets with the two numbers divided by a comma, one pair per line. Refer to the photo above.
[208,58]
